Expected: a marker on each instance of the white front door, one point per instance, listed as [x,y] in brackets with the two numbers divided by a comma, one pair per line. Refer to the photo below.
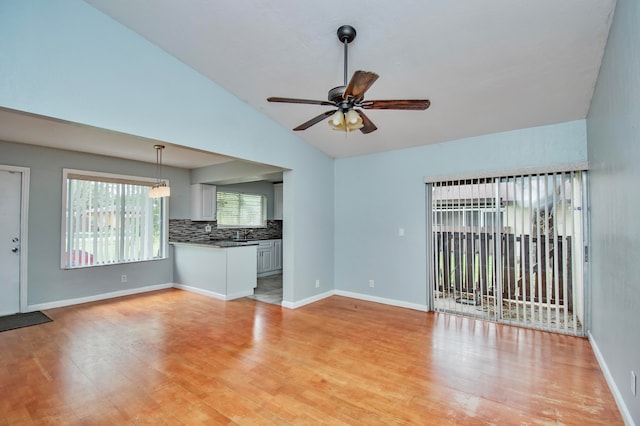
[10,194]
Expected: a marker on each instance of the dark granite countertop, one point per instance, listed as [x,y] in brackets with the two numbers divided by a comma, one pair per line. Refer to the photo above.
[214,243]
[245,239]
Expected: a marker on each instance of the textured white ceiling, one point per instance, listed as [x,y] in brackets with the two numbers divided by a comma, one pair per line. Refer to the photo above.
[487,66]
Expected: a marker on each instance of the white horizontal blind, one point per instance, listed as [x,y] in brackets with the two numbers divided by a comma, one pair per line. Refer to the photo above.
[109,220]
[241,210]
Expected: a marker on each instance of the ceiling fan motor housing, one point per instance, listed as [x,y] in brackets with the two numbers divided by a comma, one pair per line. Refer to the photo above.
[335,95]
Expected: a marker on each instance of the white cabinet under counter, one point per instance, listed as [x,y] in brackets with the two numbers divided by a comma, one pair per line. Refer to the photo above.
[269,257]
[222,272]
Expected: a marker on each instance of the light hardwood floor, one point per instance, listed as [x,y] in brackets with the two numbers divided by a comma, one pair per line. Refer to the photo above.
[174,357]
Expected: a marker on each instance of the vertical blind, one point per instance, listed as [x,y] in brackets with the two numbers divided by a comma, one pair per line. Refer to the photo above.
[510,249]
[111,220]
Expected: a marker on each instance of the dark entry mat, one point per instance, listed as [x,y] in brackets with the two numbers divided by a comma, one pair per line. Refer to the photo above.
[11,322]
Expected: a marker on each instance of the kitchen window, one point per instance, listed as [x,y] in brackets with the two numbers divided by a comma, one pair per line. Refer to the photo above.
[237,210]
[109,219]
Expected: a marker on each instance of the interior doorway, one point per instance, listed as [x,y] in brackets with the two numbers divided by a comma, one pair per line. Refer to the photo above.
[511,249]
[269,290]
[13,191]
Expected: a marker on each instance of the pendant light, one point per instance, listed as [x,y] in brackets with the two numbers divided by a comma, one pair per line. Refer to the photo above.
[160,189]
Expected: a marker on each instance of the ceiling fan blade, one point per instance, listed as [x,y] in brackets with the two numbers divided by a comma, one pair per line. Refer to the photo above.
[299,101]
[406,104]
[359,83]
[314,120]
[368,125]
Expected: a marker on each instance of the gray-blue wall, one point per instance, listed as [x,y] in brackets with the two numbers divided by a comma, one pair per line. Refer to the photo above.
[47,283]
[613,135]
[65,59]
[380,193]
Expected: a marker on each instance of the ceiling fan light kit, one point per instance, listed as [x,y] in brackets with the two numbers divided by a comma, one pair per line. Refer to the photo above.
[349,98]
[346,122]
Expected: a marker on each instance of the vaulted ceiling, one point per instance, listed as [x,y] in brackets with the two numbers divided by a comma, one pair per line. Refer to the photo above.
[486,66]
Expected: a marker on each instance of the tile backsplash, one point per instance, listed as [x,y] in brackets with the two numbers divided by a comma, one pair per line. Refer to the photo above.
[185,230]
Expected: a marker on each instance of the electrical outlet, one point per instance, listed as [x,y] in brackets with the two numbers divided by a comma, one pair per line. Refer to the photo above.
[401,232]
[633,383]
[372,283]
[123,278]
[207,228]
[317,283]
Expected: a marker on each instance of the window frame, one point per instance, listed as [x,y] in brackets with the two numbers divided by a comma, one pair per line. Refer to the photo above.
[264,206]
[113,177]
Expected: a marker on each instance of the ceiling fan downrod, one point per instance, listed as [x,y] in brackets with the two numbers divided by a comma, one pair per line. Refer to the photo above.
[346,34]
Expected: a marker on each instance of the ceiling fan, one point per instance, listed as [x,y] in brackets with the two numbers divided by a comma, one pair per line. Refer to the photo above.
[349,99]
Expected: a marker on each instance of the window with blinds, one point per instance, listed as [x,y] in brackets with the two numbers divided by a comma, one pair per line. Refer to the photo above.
[109,219]
[235,210]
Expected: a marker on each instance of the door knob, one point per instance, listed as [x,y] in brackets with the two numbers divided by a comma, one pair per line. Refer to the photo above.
[15,250]
[15,240]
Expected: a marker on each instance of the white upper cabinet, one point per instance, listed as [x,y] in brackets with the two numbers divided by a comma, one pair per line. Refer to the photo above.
[277,201]
[203,202]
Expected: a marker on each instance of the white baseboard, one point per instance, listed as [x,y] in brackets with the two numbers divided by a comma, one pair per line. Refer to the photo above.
[95,298]
[359,296]
[290,305]
[200,291]
[213,294]
[383,300]
[308,300]
[617,396]
[238,295]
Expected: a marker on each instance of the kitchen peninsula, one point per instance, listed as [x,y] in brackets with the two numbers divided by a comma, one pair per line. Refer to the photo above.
[222,269]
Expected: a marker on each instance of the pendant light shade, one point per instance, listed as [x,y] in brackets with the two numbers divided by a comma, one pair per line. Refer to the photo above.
[160,189]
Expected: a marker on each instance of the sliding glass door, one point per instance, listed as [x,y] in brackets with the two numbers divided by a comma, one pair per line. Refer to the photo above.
[510,249]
